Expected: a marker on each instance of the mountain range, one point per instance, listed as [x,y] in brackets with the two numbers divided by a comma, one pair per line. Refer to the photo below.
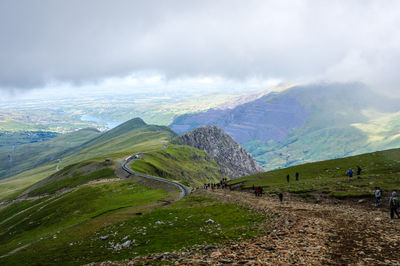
[306,123]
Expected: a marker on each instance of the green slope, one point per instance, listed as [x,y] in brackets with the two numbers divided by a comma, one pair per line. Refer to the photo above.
[9,139]
[189,165]
[46,218]
[380,168]
[28,156]
[120,142]
[148,233]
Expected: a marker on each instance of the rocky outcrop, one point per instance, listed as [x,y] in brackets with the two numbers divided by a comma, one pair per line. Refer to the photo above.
[232,159]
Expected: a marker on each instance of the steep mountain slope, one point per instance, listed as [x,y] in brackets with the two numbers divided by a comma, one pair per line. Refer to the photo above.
[328,178]
[307,123]
[28,156]
[232,159]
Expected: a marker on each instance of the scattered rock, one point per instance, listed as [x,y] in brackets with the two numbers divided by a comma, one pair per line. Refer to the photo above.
[216,254]
[210,221]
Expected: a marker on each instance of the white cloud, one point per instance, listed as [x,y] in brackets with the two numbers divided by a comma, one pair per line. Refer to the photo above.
[89,42]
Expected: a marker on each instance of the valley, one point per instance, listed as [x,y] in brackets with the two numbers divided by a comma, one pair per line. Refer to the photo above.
[135,193]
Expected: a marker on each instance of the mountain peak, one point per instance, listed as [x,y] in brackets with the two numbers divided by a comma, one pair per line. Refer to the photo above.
[233,160]
[136,122]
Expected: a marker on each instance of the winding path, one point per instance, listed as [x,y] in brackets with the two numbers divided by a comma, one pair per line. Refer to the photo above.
[125,165]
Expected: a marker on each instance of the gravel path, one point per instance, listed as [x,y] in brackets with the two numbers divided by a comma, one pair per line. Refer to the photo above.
[300,233]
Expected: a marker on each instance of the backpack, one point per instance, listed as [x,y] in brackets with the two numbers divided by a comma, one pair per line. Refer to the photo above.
[378,193]
[395,202]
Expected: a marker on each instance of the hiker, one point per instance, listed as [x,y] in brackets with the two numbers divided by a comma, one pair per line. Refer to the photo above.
[297,176]
[256,192]
[253,188]
[394,205]
[359,172]
[287,178]
[378,196]
[350,173]
[280,197]
[260,191]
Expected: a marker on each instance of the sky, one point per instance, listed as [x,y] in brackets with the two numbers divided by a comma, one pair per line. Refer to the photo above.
[95,45]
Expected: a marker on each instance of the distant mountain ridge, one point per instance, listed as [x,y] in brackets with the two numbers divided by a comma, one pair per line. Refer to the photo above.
[306,123]
[232,159]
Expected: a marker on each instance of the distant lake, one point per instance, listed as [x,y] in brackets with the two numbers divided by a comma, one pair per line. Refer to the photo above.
[109,123]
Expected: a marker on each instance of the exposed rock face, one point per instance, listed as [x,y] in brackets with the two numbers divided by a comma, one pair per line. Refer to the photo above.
[233,160]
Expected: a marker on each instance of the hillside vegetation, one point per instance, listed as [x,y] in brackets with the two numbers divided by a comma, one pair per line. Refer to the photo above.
[9,139]
[329,177]
[189,165]
[48,217]
[28,156]
[128,138]
[185,222]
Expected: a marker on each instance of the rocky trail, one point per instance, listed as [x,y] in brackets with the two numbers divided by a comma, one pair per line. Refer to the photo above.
[299,233]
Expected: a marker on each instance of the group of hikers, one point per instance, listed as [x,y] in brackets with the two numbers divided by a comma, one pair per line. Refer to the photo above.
[288,177]
[350,173]
[394,203]
[222,184]
[258,191]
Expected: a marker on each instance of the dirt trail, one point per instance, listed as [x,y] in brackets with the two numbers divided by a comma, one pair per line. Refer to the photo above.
[303,233]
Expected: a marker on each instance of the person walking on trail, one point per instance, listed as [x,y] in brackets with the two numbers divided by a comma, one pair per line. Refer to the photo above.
[288,178]
[378,196]
[297,176]
[281,197]
[260,191]
[350,172]
[359,172]
[394,205]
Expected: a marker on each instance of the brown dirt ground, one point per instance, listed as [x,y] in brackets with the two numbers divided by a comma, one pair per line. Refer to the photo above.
[301,233]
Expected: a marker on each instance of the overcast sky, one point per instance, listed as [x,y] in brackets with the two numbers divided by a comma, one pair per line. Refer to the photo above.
[88,44]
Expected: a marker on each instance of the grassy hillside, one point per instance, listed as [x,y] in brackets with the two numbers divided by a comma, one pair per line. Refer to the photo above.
[184,163]
[28,156]
[329,177]
[148,233]
[48,217]
[70,177]
[120,142]
[9,139]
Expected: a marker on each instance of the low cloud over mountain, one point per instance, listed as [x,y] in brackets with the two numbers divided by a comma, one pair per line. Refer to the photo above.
[82,42]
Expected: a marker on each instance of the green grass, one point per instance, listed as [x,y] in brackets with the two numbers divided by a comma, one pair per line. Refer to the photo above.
[184,163]
[329,177]
[66,179]
[17,207]
[172,227]
[84,204]
[11,188]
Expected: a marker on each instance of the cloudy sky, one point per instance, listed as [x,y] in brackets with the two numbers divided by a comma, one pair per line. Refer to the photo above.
[50,44]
